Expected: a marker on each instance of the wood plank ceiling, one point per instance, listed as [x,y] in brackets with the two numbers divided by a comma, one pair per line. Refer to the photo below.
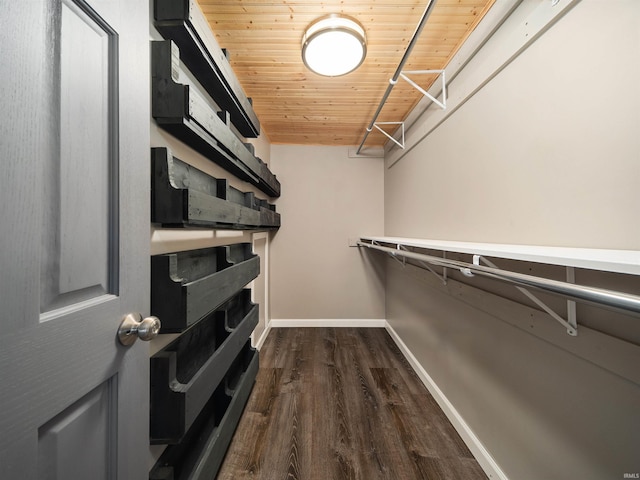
[296,106]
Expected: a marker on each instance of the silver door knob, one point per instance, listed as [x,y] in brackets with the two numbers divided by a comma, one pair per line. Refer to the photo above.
[134,327]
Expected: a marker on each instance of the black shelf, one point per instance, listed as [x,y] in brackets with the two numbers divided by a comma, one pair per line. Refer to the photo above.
[187,371]
[186,286]
[185,114]
[183,22]
[199,455]
[183,196]
[201,381]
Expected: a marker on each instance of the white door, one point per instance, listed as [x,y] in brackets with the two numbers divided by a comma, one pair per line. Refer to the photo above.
[74,255]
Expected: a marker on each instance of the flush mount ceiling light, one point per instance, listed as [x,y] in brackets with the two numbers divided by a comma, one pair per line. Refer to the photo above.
[334,45]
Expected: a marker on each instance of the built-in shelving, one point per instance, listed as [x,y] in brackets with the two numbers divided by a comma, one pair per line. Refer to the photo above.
[183,22]
[188,116]
[200,453]
[183,196]
[186,286]
[618,261]
[201,381]
[186,372]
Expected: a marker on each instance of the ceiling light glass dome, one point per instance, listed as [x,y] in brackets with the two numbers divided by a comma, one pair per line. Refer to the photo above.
[334,45]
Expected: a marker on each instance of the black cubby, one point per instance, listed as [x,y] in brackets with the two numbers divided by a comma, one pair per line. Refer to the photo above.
[186,286]
[183,196]
[186,372]
[200,453]
[187,115]
[183,22]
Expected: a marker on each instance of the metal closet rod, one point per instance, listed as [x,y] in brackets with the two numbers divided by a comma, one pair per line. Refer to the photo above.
[595,296]
[394,79]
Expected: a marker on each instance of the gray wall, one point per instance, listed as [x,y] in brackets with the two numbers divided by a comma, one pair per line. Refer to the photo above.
[547,152]
[327,197]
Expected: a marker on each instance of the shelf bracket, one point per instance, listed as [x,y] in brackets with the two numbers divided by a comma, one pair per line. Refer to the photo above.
[401,143]
[467,271]
[441,73]
[402,262]
[444,269]
[571,304]
[425,265]
[571,325]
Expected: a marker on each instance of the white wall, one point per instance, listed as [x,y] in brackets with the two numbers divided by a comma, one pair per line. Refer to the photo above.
[327,197]
[547,152]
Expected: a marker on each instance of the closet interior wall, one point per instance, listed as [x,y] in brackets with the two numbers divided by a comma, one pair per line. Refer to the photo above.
[330,197]
[544,153]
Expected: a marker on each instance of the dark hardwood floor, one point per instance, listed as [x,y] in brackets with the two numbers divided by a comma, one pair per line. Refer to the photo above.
[342,403]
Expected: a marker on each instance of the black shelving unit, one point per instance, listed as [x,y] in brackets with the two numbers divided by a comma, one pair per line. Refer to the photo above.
[200,453]
[183,196]
[188,116]
[201,381]
[183,22]
[186,286]
[186,372]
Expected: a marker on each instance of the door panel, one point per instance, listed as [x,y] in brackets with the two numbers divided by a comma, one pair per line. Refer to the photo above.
[62,441]
[79,258]
[74,247]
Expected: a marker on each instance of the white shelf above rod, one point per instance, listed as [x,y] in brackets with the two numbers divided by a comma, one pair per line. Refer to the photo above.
[606,260]
[578,257]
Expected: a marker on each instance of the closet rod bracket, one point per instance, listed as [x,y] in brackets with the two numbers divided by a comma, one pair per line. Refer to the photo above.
[426,266]
[441,74]
[571,305]
[570,324]
[390,137]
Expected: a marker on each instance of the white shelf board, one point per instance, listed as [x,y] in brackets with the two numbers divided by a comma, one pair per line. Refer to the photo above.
[618,261]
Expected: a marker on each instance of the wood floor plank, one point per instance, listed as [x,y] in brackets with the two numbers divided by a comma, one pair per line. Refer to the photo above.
[364,416]
[342,404]
[273,347]
[399,361]
[389,384]
[265,391]
[331,438]
[333,445]
[244,460]
[250,438]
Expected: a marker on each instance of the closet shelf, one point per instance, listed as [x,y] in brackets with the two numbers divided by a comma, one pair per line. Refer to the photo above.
[187,371]
[183,196]
[188,116]
[186,286]
[199,455]
[184,23]
[617,261]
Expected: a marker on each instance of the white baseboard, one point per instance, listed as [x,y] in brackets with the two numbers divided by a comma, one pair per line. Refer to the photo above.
[265,333]
[328,322]
[483,457]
